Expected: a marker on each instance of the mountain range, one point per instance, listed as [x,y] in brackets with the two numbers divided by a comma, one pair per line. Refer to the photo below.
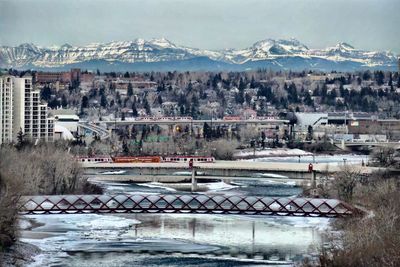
[163,55]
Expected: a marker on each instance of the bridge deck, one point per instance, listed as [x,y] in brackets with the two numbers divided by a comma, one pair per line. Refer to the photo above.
[223,165]
[232,166]
[215,204]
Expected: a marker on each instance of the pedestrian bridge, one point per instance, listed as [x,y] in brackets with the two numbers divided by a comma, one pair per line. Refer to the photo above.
[195,204]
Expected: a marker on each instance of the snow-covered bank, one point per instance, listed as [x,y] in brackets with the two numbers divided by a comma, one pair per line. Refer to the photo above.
[271,152]
[331,159]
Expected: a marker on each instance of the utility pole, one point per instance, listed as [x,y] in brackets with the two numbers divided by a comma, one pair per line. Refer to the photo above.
[212,114]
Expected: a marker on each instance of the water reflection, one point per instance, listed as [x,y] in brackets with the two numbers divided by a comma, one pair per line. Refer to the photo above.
[257,239]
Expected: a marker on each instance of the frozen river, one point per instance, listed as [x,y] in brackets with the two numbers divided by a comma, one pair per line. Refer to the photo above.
[182,239]
[177,239]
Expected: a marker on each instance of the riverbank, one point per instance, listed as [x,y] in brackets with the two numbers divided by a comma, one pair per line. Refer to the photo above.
[20,254]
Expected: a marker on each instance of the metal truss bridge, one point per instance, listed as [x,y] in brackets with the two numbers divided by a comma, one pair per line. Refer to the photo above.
[194,204]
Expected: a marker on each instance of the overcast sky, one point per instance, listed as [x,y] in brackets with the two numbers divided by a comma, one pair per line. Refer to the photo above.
[207,24]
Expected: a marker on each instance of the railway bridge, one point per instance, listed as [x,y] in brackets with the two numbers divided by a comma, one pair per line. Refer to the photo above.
[194,204]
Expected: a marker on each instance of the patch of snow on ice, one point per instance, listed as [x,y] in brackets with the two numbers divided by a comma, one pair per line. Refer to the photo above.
[107,222]
[219,186]
[158,185]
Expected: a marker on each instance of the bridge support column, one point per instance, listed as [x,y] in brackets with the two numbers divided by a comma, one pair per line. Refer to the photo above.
[343,146]
[194,181]
[313,179]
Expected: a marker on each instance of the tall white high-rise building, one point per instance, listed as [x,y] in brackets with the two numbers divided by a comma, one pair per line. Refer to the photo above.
[6,109]
[28,114]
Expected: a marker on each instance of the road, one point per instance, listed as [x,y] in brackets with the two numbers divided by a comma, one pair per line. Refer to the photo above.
[100,131]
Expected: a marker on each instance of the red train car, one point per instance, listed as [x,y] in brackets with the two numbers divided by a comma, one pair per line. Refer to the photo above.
[232,118]
[149,159]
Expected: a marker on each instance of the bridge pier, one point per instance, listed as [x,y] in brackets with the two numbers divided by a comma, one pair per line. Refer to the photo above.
[343,146]
[194,181]
[313,179]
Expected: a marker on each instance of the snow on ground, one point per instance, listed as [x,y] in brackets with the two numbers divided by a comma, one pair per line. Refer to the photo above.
[331,159]
[276,152]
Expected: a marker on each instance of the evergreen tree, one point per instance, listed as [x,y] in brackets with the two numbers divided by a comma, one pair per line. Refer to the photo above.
[125,148]
[308,100]
[379,77]
[45,93]
[366,75]
[190,87]
[207,131]
[292,93]
[146,106]
[21,143]
[242,85]
[103,101]
[317,91]
[309,133]
[160,100]
[134,110]
[248,99]
[398,81]
[390,83]
[182,110]
[252,82]
[130,90]
[64,102]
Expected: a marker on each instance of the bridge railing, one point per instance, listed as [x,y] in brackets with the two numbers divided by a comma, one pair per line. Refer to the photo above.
[215,204]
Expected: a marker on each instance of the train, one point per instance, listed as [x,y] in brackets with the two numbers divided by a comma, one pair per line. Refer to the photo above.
[239,118]
[146,159]
[188,118]
[163,119]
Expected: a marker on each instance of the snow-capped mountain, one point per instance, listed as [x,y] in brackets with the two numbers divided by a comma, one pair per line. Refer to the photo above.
[161,54]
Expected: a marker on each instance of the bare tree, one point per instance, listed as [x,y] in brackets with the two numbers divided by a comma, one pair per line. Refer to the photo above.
[345,181]
[223,149]
[384,156]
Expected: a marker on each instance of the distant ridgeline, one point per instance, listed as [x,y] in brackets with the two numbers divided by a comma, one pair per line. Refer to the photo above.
[162,55]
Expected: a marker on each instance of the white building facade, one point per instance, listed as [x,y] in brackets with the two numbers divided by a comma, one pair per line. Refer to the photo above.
[28,114]
[6,109]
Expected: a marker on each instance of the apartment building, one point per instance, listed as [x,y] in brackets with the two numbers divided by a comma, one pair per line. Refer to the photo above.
[6,109]
[25,110]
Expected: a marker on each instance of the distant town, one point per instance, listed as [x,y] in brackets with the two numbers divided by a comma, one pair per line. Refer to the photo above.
[260,108]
